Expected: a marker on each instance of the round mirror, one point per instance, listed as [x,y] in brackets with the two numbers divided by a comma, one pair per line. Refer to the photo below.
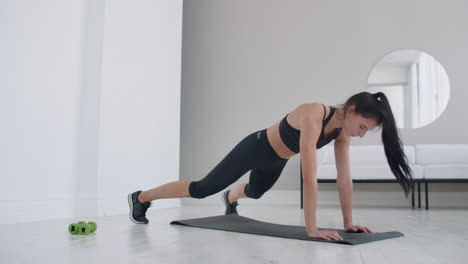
[416,85]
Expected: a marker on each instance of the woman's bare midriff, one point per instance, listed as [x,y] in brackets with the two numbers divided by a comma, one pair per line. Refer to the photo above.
[274,137]
[277,143]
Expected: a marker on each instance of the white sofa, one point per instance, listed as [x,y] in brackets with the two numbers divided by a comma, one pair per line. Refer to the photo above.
[368,162]
[442,163]
[430,163]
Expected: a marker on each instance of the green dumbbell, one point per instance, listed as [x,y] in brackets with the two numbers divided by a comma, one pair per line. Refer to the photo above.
[73,229]
[93,226]
[82,228]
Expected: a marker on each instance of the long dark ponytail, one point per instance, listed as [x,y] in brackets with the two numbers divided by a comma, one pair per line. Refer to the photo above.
[377,106]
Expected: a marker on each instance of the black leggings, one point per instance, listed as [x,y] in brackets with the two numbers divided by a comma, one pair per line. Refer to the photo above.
[253,153]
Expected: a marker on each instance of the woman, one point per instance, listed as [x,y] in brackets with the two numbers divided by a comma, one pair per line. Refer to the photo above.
[265,153]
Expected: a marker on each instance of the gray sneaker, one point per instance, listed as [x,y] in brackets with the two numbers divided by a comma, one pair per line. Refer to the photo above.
[137,209]
[230,207]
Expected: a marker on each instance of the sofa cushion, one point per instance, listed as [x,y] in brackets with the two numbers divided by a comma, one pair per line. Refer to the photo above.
[366,172]
[442,154]
[446,172]
[366,155]
[321,155]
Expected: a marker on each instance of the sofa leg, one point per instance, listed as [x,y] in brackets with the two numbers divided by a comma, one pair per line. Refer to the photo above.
[419,195]
[302,189]
[426,191]
[412,197]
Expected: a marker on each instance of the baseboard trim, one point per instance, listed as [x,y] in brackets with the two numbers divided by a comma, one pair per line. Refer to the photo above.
[292,198]
[331,198]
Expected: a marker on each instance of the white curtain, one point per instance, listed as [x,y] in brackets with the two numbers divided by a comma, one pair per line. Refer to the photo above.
[413,105]
[433,89]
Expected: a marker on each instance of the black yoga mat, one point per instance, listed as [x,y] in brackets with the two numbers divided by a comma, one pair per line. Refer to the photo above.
[240,224]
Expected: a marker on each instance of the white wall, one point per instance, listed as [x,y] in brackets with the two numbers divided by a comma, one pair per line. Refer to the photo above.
[40,58]
[140,97]
[89,105]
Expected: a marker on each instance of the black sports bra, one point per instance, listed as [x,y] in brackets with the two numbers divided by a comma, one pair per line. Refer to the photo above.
[291,136]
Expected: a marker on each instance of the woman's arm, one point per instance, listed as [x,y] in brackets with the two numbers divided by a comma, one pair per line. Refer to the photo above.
[309,172]
[345,184]
[310,132]
[343,179]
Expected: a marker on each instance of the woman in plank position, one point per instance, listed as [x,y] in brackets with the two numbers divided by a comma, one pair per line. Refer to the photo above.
[265,153]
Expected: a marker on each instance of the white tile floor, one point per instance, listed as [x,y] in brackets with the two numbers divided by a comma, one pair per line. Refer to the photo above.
[435,236]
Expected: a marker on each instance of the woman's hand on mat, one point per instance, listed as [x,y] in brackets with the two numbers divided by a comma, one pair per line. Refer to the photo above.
[357,229]
[324,234]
